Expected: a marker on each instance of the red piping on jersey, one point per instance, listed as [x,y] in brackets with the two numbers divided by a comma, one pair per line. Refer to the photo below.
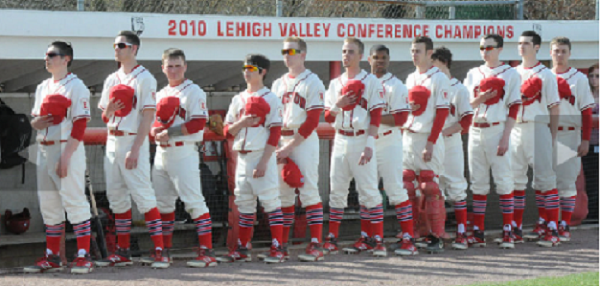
[537,72]
[55,81]
[566,71]
[538,63]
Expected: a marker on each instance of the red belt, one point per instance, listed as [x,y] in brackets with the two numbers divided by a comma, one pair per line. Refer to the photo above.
[119,133]
[177,144]
[245,151]
[50,143]
[561,128]
[384,134]
[287,132]
[485,125]
[351,133]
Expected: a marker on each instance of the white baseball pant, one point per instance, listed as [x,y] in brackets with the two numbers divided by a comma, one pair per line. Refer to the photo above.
[247,188]
[306,156]
[567,172]
[452,180]
[483,150]
[389,168]
[413,145]
[531,145]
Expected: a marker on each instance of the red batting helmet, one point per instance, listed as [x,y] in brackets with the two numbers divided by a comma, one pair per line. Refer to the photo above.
[291,174]
[564,89]
[55,105]
[419,95]
[17,223]
[493,84]
[167,110]
[259,107]
[357,87]
[126,95]
[531,90]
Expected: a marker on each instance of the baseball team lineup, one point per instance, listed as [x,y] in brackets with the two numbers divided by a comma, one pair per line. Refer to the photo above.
[405,132]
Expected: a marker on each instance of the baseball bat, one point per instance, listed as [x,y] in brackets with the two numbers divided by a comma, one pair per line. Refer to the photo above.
[100,240]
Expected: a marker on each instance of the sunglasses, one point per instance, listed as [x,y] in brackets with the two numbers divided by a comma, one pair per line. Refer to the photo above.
[121,45]
[250,68]
[290,52]
[488,48]
[53,54]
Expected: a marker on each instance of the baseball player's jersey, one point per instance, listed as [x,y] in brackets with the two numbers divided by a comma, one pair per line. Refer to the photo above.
[358,118]
[581,98]
[144,84]
[439,86]
[460,104]
[253,138]
[193,106]
[299,95]
[72,88]
[396,98]
[512,92]
[536,110]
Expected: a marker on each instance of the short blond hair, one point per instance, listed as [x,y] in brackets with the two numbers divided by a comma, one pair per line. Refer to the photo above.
[358,42]
[300,41]
[560,41]
[173,53]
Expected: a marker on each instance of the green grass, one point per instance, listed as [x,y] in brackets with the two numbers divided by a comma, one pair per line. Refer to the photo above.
[587,278]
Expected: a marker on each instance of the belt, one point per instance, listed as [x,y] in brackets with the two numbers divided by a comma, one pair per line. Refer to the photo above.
[50,143]
[384,134]
[177,144]
[245,151]
[561,128]
[351,133]
[485,125]
[287,132]
[119,133]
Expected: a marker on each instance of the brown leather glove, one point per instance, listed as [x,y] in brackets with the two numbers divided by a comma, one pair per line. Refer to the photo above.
[215,124]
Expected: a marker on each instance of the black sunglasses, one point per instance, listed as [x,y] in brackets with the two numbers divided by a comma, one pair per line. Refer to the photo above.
[53,54]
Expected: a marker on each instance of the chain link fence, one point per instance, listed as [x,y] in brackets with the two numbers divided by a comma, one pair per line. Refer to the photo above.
[393,9]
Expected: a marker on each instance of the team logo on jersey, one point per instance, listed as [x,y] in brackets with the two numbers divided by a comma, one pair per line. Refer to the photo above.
[154,95]
[321,95]
[203,105]
[295,97]
[381,93]
[445,95]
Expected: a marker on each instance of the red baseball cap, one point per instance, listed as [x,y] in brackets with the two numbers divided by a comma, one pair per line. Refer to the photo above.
[356,86]
[126,95]
[291,174]
[419,95]
[531,90]
[55,105]
[259,107]
[564,89]
[493,84]
[167,110]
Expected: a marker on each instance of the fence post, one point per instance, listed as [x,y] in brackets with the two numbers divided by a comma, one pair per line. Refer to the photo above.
[597,8]
[520,9]
[452,13]
[279,7]
[80,5]
[420,12]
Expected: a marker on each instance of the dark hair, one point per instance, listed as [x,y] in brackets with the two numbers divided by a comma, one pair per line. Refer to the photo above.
[560,41]
[259,61]
[379,48]
[535,38]
[591,70]
[132,38]
[443,55]
[173,53]
[65,49]
[358,42]
[300,41]
[425,40]
[497,38]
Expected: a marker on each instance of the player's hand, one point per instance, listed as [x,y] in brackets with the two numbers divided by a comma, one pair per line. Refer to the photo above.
[487,95]
[428,152]
[284,151]
[156,130]
[131,159]
[584,147]
[260,170]
[162,137]
[249,121]
[365,156]
[63,166]
[114,105]
[346,99]
[446,132]
[503,145]
[41,122]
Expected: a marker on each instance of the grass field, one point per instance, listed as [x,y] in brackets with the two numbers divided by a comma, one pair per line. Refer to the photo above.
[587,278]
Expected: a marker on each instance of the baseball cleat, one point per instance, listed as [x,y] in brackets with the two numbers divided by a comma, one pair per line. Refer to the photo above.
[551,239]
[240,254]
[162,259]
[538,232]
[422,242]
[82,265]
[359,246]
[262,256]
[313,252]
[436,245]
[49,263]
[121,258]
[206,258]
[564,233]
[276,255]
[460,242]
[148,260]
[477,239]
[406,247]
[507,240]
[379,250]
[330,247]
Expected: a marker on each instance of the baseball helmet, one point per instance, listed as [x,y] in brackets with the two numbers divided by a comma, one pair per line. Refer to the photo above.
[259,107]
[55,105]
[126,95]
[419,95]
[167,110]
[493,84]
[531,90]
[356,86]
[291,174]
[564,89]
[17,223]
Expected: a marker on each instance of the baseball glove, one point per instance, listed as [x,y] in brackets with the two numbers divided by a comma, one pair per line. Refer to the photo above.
[215,124]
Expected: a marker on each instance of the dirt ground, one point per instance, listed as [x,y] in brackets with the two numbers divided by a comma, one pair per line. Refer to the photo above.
[449,268]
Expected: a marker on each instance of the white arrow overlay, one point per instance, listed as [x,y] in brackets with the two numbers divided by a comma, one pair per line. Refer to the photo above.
[564,153]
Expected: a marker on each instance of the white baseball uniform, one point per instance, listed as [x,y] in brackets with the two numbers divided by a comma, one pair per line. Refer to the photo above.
[348,148]
[122,183]
[58,195]
[453,180]
[569,133]
[175,172]
[250,143]
[389,140]
[419,127]
[531,140]
[299,95]
[487,129]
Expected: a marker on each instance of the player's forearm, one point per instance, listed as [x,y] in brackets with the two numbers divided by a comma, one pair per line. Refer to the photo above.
[235,128]
[388,120]
[106,115]
[554,114]
[372,131]
[508,126]
[455,128]
[296,141]
[70,148]
[267,153]
[143,129]
[476,101]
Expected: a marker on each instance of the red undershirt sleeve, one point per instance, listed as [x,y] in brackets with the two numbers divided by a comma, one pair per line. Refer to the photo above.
[195,125]
[586,122]
[438,124]
[275,133]
[311,122]
[513,111]
[78,129]
[465,121]
[376,116]
[400,118]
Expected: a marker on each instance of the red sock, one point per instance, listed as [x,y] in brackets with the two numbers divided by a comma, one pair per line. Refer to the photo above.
[53,235]
[335,219]
[507,204]
[123,226]
[567,206]
[314,216]
[365,222]
[552,205]
[204,230]
[154,224]
[83,231]
[540,202]
[404,216]
[168,225]
[246,224]
[519,196]
[288,220]
[460,211]
[479,206]
[276,225]
[376,215]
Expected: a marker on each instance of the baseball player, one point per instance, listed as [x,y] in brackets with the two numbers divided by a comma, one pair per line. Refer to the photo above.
[353,103]
[60,115]
[180,119]
[453,180]
[254,121]
[429,98]
[495,98]
[573,130]
[128,104]
[532,141]
[301,94]
[388,145]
